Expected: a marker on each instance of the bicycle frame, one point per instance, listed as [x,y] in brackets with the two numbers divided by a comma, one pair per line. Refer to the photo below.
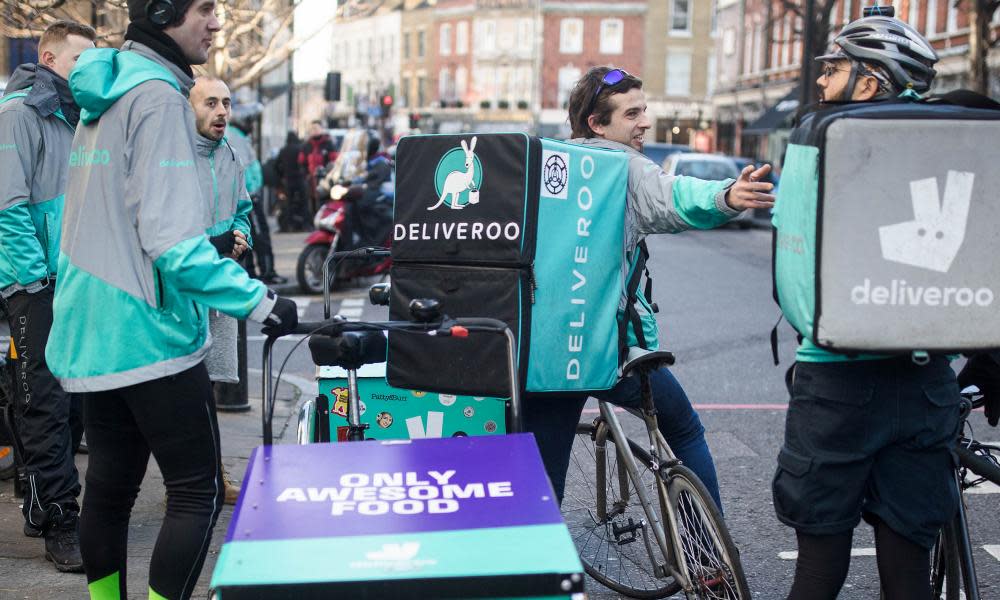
[610,424]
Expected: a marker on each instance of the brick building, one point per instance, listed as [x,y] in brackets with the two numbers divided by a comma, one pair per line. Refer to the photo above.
[577,36]
[759,53]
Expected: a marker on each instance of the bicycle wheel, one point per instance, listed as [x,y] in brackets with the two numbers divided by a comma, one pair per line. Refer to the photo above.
[946,573]
[618,551]
[711,559]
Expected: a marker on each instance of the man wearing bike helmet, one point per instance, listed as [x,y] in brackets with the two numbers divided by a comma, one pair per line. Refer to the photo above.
[607,109]
[135,273]
[867,436]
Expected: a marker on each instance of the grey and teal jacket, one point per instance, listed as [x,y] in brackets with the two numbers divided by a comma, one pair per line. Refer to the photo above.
[220,171]
[253,174]
[660,203]
[136,269]
[35,140]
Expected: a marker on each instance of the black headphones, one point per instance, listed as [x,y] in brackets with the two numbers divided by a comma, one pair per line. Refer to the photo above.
[161,13]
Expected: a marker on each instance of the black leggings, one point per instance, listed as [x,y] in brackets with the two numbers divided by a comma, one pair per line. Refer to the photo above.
[820,571]
[174,418]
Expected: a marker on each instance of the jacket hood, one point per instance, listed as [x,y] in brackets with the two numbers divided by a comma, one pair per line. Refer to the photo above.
[102,76]
[22,78]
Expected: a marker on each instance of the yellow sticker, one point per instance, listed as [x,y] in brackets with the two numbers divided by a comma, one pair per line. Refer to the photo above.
[13,350]
[340,403]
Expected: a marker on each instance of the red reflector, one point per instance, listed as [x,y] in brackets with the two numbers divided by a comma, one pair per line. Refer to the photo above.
[458,331]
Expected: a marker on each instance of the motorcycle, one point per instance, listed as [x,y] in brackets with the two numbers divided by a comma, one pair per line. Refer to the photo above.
[339,227]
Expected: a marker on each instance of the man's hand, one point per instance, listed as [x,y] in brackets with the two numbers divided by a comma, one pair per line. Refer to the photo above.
[240,244]
[984,372]
[749,191]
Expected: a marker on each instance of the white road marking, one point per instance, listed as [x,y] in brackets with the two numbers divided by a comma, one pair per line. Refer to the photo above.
[352,302]
[994,550]
[793,554]
[301,303]
[350,312]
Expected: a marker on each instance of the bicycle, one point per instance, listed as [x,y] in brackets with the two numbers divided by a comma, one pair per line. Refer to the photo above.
[630,542]
[953,570]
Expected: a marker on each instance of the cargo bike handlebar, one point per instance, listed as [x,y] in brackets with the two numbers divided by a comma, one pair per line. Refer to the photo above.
[352,343]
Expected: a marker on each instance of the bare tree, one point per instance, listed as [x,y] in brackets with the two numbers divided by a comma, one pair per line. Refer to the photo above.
[980,41]
[256,35]
[814,33]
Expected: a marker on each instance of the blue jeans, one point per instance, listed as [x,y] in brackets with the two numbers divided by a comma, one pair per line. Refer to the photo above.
[553,420]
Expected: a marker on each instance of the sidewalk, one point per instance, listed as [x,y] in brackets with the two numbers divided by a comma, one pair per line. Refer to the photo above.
[24,572]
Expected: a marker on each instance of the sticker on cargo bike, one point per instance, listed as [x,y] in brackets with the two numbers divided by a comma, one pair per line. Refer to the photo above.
[458,177]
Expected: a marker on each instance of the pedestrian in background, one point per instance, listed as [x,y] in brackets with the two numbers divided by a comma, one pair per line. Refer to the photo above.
[37,119]
[260,262]
[292,210]
[227,218]
[136,273]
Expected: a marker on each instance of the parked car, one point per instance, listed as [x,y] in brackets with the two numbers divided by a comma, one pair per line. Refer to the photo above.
[658,152]
[707,166]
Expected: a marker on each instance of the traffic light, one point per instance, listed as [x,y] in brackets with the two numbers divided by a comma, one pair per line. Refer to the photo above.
[414,120]
[331,91]
[386,105]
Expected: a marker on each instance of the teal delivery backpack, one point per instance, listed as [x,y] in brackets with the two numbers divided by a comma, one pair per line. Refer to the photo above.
[522,229]
[886,226]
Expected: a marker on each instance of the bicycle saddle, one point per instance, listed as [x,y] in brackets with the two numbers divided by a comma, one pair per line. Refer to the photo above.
[646,359]
[349,350]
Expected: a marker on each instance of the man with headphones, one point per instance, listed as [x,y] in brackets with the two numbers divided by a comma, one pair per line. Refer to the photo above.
[136,275]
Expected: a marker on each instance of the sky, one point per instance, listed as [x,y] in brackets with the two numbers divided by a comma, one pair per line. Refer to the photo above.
[312,60]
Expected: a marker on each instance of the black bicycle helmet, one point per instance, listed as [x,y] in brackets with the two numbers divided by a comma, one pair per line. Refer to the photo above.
[907,56]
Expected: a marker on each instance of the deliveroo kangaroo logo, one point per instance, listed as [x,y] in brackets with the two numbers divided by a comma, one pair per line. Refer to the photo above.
[458,177]
[932,239]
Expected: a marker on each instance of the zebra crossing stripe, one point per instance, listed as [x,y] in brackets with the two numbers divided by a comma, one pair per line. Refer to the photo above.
[994,550]
[354,302]
[793,554]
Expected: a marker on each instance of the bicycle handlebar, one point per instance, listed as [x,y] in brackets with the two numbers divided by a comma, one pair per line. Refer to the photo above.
[445,326]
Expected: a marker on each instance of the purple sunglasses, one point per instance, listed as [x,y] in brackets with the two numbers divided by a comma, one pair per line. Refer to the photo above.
[610,79]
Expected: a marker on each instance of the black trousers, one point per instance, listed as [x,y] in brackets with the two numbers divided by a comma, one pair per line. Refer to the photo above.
[263,257]
[174,419]
[47,419]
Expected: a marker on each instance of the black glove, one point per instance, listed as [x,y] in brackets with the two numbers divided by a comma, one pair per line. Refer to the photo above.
[283,318]
[982,371]
[224,243]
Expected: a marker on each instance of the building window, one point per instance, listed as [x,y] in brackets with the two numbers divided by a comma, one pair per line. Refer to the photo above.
[462,38]
[406,45]
[712,74]
[568,76]
[680,17]
[612,36]
[679,72]
[571,36]
[952,24]
[444,43]
[848,9]
[404,91]
[729,41]
[525,31]
[461,82]
[421,43]
[421,91]
[21,51]
[445,90]
[914,14]
[486,40]
[931,17]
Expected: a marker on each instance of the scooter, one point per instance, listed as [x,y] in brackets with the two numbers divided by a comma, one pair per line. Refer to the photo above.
[331,236]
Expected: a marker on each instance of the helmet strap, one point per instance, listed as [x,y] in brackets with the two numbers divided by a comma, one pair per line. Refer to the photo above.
[852,81]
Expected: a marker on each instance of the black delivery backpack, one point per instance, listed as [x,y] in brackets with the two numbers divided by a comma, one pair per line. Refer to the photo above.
[887,226]
[518,228]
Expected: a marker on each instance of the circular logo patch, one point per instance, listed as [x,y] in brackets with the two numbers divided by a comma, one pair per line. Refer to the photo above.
[555,174]
[469,411]
[490,426]
[447,399]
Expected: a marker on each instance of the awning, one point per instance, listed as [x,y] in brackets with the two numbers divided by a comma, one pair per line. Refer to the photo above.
[778,116]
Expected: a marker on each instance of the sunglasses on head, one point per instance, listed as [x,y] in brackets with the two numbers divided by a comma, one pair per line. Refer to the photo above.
[610,79]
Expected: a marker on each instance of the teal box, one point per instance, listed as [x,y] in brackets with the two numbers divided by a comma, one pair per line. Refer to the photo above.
[395,414]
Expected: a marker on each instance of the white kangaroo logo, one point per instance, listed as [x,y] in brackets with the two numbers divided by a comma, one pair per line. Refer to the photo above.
[459,181]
